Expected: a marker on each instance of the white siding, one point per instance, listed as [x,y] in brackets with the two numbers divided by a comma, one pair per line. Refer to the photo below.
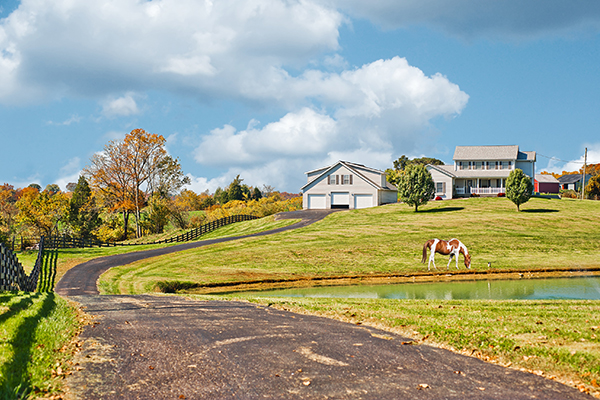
[446,182]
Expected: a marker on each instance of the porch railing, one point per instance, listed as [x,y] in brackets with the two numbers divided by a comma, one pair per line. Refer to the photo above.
[488,190]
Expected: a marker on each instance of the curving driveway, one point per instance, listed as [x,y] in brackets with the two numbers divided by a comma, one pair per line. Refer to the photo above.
[168,347]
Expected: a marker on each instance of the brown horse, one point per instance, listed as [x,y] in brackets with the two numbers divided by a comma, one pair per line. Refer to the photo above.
[453,247]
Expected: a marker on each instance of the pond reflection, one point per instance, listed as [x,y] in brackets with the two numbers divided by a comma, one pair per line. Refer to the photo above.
[587,288]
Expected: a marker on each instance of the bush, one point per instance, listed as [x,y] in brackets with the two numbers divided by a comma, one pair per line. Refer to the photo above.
[568,193]
[174,286]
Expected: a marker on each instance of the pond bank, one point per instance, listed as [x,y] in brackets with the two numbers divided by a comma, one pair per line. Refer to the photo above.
[379,279]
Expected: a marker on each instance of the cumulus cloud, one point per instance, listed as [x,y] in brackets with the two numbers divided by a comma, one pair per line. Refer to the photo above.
[475,18]
[77,47]
[365,115]
[120,107]
[69,173]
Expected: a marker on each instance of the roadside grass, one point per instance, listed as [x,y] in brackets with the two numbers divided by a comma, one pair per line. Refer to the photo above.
[556,339]
[68,258]
[35,331]
[548,233]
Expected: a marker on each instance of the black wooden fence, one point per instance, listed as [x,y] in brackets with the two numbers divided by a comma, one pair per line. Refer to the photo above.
[66,242]
[14,277]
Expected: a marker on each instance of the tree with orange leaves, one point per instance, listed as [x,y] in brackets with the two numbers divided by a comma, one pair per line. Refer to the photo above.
[128,171]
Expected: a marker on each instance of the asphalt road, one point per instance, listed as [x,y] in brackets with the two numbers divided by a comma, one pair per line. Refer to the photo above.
[167,347]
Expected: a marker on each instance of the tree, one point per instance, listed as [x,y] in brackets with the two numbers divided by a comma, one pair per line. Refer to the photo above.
[40,211]
[129,171]
[256,194]
[592,189]
[415,186]
[8,211]
[234,192]
[52,189]
[518,187]
[401,163]
[84,215]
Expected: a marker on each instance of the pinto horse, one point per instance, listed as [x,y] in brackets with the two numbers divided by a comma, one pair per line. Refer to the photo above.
[453,247]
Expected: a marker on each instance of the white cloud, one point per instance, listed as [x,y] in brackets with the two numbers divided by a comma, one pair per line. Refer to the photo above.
[77,47]
[120,107]
[557,166]
[69,173]
[475,18]
[367,115]
[72,119]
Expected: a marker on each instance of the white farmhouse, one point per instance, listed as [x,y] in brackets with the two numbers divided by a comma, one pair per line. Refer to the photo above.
[347,185]
[480,170]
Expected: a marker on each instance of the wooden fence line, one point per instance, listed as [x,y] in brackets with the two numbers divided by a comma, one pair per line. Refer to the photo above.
[66,242]
[14,277]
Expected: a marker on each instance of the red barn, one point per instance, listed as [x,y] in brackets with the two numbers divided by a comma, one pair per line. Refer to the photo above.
[546,184]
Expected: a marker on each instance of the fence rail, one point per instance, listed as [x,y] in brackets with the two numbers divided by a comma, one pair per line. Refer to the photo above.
[67,242]
[14,277]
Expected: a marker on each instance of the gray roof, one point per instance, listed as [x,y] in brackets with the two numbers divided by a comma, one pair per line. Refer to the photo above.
[572,178]
[544,178]
[472,153]
[486,153]
[354,168]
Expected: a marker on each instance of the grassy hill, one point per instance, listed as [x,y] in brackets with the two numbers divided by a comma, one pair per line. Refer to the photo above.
[388,240]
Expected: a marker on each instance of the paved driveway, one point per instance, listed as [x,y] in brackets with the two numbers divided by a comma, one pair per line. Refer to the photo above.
[167,347]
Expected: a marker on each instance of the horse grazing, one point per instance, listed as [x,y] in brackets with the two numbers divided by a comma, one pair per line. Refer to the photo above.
[454,247]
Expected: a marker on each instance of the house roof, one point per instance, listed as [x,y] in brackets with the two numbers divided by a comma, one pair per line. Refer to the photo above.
[572,178]
[480,153]
[471,153]
[355,169]
[544,178]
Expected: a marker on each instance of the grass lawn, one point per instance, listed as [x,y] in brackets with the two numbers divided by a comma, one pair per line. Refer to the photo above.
[35,332]
[388,240]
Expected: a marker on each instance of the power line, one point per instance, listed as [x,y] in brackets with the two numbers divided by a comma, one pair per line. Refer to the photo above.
[558,159]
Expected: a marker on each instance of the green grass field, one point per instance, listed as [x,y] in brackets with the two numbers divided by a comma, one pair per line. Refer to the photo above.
[35,330]
[388,240]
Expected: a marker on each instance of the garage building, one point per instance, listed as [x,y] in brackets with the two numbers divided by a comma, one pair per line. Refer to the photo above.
[347,185]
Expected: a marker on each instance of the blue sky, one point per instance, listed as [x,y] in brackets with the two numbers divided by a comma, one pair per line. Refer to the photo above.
[269,89]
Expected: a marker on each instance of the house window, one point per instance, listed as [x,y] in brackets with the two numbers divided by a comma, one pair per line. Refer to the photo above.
[439,187]
[460,165]
[332,180]
[498,164]
[347,180]
[471,165]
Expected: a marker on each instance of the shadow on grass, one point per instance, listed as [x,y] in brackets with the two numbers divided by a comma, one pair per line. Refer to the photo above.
[16,382]
[442,209]
[539,211]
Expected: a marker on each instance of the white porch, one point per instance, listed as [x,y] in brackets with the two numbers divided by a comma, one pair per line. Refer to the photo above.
[480,186]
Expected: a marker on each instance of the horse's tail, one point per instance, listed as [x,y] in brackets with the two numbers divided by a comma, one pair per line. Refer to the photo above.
[425,247]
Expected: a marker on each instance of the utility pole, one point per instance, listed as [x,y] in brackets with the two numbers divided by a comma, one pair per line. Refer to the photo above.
[583,174]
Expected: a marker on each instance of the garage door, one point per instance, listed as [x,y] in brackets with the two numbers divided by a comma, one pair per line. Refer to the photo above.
[340,200]
[363,200]
[317,201]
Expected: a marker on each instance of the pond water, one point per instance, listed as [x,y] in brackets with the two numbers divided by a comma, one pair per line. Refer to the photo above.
[581,288]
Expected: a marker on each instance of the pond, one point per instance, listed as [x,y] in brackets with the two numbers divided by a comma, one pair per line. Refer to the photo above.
[580,288]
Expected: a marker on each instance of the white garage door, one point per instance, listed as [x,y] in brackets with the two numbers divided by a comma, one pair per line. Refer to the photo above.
[317,201]
[340,199]
[363,200]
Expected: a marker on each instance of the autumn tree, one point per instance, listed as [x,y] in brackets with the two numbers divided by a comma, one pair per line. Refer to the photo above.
[415,186]
[8,211]
[592,189]
[518,187]
[127,172]
[41,211]
[84,214]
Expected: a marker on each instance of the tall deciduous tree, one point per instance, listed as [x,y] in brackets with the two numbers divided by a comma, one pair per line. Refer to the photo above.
[415,185]
[518,187]
[128,171]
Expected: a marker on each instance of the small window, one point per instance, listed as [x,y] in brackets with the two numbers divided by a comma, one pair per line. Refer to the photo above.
[346,180]
[439,187]
[331,180]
